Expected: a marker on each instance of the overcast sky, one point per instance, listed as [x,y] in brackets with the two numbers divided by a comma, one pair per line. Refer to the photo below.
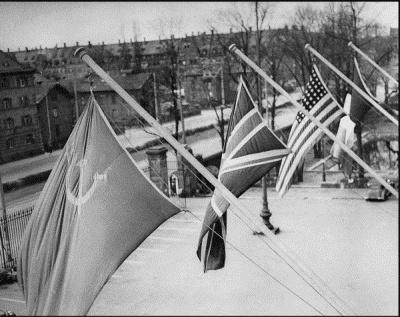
[33,24]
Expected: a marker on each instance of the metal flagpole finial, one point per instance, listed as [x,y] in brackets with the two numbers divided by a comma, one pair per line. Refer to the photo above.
[350,43]
[307,46]
[80,52]
[232,47]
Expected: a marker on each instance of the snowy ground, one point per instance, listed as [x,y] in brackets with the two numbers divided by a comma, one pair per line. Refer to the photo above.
[351,244]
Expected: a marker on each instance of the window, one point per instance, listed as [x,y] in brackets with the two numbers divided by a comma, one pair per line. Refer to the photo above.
[26,120]
[22,81]
[29,139]
[23,101]
[4,83]
[10,143]
[9,123]
[55,112]
[6,103]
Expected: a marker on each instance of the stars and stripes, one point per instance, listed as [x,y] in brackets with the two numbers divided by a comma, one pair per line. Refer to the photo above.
[250,151]
[304,134]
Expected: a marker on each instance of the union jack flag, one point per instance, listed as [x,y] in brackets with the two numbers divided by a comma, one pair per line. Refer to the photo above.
[250,151]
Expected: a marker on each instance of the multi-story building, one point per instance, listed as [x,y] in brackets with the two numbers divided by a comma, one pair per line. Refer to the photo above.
[120,115]
[56,112]
[19,124]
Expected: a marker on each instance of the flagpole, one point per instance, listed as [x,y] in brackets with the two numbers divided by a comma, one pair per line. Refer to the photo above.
[355,157]
[81,52]
[372,62]
[353,85]
[278,247]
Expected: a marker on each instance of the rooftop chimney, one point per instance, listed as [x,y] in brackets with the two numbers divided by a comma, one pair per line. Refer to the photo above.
[212,31]
[102,43]
[8,50]
[26,48]
[119,42]
[230,30]
[172,36]
[89,44]
[250,28]
[144,40]
[65,44]
[40,46]
[19,50]
[77,44]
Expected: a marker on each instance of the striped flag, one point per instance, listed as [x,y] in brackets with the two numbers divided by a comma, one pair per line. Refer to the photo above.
[355,107]
[250,151]
[359,105]
[304,134]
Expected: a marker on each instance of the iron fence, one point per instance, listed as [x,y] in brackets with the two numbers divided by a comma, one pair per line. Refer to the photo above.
[11,231]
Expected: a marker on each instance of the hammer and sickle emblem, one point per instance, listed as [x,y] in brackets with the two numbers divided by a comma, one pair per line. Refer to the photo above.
[80,198]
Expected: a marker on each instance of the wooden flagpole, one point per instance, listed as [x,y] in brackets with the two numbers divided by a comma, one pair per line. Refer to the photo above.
[279,248]
[373,63]
[353,85]
[355,157]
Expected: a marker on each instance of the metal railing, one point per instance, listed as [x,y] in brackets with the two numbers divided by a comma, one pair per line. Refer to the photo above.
[16,223]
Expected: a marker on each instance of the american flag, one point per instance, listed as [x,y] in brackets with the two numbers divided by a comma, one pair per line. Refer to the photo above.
[304,134]
[250,151]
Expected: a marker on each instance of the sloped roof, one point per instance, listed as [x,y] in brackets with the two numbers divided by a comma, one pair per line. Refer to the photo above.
[130,82]
[9,65]
[43,89]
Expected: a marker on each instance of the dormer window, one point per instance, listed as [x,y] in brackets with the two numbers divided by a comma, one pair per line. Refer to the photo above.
[23,82]
[6,103]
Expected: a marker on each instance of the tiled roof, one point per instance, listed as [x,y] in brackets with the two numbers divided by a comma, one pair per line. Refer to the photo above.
[8,64]
[130,82]
[43,89]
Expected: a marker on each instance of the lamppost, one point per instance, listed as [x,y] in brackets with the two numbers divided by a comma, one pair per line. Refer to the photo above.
[265,213]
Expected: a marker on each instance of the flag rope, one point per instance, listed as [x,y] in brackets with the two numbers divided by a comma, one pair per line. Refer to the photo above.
[354,86]
[312,118]
[355,48]
[239,250]
[263,241]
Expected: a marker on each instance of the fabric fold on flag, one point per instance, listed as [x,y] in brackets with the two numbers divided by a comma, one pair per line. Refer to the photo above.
[251,150]
[356,107]
[359,105]
[319,102]
[345,134]
[96,208]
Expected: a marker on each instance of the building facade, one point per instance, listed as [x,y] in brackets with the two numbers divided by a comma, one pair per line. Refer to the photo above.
[56,114]
[19,125]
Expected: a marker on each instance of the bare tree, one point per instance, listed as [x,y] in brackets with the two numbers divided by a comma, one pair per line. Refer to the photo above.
[169,72]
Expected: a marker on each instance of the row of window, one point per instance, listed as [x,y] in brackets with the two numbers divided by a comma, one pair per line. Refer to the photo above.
[6,103]
[11,142]
[25,120]
[21,82]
